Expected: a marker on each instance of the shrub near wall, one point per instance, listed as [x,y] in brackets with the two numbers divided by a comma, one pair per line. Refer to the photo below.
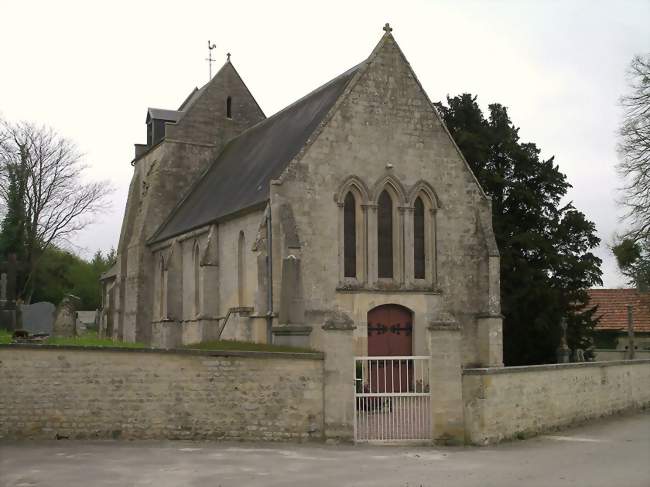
[510,402]
[49,392]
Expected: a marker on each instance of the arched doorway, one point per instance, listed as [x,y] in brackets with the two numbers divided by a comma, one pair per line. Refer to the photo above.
[392,394]
[390,331]
[390,334]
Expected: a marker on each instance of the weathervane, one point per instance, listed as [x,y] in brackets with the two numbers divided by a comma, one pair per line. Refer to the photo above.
[209,59]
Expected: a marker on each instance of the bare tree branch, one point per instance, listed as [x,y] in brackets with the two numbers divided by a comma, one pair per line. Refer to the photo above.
[56,201]
[634,149]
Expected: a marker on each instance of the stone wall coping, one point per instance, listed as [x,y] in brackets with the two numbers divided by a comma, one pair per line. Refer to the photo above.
[299,330]
[443,326]
[549,367]
[174,351]
[338,326]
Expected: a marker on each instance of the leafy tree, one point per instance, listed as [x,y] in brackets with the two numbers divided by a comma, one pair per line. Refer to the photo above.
[633,258]
[62,272]
[12,228]
[546,258]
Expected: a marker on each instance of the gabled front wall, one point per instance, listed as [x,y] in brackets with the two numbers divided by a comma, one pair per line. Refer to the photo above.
[386,130]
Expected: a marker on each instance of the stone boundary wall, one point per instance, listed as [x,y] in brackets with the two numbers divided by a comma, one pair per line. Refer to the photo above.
[87,392]
[612,354]
[516,402]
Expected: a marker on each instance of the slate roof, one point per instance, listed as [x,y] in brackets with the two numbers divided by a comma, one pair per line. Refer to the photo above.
[240,176]
[162,114]
[110,273]
[612,308]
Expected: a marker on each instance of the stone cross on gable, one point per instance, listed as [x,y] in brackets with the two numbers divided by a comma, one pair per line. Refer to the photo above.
[387,28]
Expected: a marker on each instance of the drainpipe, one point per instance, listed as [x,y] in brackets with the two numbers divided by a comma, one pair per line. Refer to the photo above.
[269,273]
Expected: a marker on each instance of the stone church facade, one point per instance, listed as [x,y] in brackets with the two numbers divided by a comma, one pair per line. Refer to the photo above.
[308,227]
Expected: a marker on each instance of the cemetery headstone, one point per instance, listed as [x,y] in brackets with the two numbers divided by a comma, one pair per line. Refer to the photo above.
[8,273]
[65,322]
[38,317]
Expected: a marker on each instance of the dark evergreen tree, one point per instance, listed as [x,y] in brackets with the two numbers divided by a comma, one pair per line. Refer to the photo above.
[633,258]
[546,258]
[12,228]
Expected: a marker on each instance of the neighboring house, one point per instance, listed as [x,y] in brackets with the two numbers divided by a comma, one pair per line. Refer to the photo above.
[351,209]
[611,337]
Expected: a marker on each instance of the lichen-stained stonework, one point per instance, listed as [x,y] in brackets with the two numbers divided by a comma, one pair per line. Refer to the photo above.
[292,228]
[161,176]
[385,129]
[131,394]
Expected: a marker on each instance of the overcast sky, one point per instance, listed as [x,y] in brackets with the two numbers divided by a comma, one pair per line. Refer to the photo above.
[91,69]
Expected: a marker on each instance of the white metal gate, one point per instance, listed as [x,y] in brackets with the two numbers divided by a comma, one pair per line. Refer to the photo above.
[392,399]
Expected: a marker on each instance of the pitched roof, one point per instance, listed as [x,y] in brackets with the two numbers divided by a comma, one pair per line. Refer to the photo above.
[110,273]
[240,176]
[162,114]
[612,308]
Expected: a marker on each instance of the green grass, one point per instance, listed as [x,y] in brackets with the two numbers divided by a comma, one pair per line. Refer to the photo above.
[86,340]
[92,340]
[5,336]
[232,345]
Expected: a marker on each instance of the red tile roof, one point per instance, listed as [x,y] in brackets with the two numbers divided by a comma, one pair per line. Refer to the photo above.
[612,308]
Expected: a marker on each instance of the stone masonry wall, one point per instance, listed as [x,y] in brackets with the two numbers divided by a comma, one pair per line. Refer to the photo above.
[383,129]
[513,402]
[119,393]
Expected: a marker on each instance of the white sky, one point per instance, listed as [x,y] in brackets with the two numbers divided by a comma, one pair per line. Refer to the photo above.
[91,69]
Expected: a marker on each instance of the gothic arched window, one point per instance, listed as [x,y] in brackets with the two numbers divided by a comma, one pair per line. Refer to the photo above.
[350,236]
[385,235]
[419,240]
[197,280]
[162,276]
[229,107]
[241,268]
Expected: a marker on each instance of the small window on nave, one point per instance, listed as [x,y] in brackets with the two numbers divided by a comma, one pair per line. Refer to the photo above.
[350,236]
[229,107]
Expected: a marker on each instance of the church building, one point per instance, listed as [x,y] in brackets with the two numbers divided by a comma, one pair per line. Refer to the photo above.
[347,220]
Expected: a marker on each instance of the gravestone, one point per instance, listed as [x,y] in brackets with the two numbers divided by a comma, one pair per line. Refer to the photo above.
[38,317]
[9,319]
[65,322]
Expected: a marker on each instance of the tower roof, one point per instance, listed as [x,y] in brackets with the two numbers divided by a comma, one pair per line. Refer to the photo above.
[240,176]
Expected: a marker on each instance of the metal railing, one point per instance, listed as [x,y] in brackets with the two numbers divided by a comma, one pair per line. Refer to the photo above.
[392,399]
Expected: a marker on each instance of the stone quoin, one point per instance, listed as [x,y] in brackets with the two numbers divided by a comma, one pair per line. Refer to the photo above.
[292,229]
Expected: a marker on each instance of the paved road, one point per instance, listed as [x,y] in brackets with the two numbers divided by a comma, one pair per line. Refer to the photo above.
[613,453]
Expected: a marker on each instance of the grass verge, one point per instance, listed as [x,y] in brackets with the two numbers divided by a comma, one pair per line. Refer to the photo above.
[5,336]
[86,340]
[233,345]
[92,340]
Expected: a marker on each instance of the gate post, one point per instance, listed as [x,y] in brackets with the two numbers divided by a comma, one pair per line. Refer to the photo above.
[338,383]
[447,418]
